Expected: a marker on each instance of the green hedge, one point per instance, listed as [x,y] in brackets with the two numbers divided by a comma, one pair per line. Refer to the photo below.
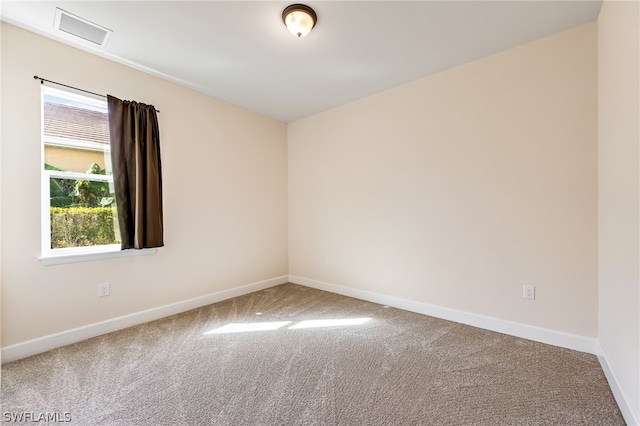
[82,226]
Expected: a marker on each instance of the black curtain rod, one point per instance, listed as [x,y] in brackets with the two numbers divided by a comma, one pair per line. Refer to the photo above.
[42,80]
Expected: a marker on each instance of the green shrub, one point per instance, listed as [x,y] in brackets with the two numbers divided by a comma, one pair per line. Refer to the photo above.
[82,226]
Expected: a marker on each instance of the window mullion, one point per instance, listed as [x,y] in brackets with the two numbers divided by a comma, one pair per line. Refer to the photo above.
[78,176]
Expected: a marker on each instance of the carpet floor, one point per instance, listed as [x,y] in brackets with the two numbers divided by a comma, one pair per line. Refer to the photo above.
[281,357]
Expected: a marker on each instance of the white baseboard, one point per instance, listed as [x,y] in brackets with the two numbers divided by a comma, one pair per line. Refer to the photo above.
[46,343]
[630,417]
[543,335]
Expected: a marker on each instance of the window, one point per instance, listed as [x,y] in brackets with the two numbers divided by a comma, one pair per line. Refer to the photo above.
[78,206]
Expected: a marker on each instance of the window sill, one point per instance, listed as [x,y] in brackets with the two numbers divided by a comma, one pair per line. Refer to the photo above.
[57,259]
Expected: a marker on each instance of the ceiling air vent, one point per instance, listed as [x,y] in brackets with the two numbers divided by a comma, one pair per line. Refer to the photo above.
[81,28]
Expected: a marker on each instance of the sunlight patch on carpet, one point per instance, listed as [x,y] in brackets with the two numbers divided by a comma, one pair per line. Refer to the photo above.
[235,327]
[329,323]
[248,326]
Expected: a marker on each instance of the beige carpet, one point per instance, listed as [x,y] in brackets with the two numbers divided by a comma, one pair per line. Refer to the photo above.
[398,368]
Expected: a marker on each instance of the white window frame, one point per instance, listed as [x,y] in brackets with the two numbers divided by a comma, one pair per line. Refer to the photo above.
[51,256]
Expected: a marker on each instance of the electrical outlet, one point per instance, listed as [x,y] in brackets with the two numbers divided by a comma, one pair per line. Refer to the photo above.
[328,262]
[103,289]
[528,292]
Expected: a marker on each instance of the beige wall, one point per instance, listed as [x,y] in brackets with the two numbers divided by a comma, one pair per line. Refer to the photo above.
[619,198]
[225,199]
[459,188]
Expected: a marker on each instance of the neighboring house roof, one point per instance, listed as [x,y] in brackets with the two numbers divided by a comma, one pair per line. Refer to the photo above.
[70,122]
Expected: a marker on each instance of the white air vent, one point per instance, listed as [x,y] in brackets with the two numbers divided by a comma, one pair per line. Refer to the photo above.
[81,28]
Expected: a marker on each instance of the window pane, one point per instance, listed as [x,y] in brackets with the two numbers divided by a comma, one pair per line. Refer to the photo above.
[76,134]
[83,213]
[81,209]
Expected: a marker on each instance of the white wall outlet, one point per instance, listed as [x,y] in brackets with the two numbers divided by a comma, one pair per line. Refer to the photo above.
[103,289]
[328,262]
[528,292]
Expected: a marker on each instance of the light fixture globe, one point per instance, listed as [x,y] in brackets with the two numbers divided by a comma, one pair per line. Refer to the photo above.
[299,19]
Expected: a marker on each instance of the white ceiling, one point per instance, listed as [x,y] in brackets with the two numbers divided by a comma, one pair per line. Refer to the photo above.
[240,51]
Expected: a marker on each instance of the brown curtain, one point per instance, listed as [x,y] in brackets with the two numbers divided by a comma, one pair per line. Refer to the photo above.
[135,158]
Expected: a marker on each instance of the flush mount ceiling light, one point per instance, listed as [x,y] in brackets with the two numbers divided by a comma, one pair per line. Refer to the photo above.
[299,19]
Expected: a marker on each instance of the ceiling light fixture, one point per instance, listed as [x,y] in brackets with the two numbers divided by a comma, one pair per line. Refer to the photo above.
[299,19]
